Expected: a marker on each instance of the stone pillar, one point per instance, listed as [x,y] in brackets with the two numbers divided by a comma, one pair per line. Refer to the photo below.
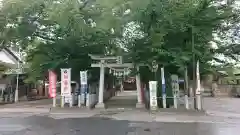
[121,86]
[100,103]
[139,92]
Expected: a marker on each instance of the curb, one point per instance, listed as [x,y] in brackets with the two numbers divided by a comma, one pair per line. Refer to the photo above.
[223,114]
[24,110]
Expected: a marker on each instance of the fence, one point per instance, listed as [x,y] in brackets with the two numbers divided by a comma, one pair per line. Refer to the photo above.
[79,99]
[7,95]
[181,101]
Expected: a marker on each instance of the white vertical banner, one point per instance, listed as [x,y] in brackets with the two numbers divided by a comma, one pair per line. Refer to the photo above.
[83,77]
[175,85]
[164,96]
[175,89]
[153,95]
[66,84]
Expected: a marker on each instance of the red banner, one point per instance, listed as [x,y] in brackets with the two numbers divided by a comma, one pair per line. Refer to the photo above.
[52,84]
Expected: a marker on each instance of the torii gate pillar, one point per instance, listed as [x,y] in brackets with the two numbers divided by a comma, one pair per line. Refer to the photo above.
[139,91]
[100,103]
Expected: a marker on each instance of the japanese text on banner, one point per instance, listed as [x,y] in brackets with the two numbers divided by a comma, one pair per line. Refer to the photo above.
[65,82]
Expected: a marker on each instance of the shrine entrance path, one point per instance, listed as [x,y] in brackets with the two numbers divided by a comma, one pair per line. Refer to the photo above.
[123,100]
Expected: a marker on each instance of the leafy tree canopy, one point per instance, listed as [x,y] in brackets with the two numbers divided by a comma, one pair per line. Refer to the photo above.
[60,33]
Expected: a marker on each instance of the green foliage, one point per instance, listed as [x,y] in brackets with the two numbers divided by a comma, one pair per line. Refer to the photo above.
[59,33]
[176,30]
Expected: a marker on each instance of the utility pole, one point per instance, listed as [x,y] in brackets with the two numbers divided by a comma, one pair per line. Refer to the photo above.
[18,71]
[18,67]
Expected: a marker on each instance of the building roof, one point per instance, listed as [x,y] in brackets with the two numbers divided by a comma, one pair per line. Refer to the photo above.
[8,58]
[12,53]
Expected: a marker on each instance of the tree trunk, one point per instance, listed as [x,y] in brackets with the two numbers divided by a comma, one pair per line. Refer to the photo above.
[186,84]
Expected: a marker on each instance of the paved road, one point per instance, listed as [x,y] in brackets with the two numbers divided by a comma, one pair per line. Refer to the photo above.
[43,125]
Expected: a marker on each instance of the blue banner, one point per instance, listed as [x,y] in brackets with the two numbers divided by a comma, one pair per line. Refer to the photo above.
[163,81]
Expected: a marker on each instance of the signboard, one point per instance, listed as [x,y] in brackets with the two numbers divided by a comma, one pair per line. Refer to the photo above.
[175,84]
[153,95]
[84,88]
[83,77]
[52,84]
[154,66]
[66,82]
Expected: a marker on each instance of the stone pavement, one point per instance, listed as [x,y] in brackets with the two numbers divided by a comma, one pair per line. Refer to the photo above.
[125,99]
[120,114]
[217,109]
[141,115]
[42,103]
[40,106]
[224,106]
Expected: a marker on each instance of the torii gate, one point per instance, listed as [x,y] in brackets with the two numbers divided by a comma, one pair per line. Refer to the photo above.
[102,66]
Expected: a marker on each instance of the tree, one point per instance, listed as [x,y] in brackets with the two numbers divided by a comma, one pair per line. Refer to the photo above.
[58,34]
[171,28]
[61,33]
